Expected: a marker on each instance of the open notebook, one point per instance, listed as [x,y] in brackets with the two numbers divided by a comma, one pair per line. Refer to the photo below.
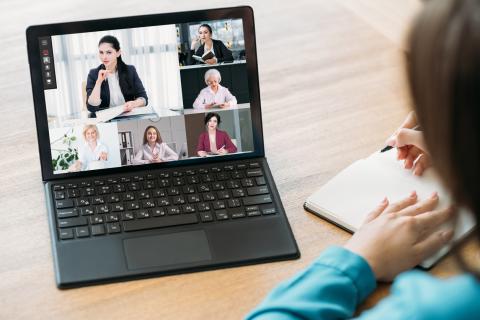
[348,197]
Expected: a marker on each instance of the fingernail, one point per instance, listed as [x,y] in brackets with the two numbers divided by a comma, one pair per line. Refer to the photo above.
[434,195]
[413,194]
[447,235]
[384,201]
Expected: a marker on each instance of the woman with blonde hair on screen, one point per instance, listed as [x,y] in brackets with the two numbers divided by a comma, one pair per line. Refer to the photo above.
[93,154]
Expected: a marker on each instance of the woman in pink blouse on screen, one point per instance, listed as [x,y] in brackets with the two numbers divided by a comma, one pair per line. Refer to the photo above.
[214,141]
[154,150]
[214,95]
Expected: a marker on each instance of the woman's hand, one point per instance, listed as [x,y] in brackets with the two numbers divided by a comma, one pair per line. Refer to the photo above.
[128,106]
[194,43]
[410,145]
[399,236]
[211,61]
[209,105]
[103,156]
[222,150]
[225,105]
[102,75]
[202,153]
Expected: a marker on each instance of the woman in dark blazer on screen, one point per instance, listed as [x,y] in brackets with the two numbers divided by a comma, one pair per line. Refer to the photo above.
[222,53]
[114,83]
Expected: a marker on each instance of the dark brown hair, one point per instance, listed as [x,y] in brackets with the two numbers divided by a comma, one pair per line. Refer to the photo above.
[159,137]
[443,69]
[210,115]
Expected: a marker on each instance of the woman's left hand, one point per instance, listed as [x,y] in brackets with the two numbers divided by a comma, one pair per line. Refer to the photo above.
[103,156]
[128,106]
[211,61]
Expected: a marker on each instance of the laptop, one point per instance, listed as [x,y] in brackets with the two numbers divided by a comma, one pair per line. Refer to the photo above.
[122,203]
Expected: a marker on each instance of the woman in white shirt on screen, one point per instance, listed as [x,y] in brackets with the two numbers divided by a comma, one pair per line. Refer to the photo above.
[214,95]
[154,150]
[93,154]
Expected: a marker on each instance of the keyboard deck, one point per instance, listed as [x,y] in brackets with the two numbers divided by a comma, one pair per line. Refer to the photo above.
[133,202]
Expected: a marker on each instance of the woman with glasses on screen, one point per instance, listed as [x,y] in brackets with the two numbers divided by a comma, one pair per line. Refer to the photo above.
[114,83]
[154,150]
[217,47]
[214,95]
[214,141]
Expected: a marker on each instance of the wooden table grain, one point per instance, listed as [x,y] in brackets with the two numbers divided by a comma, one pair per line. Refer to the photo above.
[332,89]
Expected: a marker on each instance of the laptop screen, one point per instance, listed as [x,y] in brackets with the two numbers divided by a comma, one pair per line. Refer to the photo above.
[146,95]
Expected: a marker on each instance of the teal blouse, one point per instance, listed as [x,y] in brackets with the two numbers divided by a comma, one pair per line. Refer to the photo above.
[339,280]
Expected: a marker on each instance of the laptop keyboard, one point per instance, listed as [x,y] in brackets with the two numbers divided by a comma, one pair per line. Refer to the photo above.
[168,198]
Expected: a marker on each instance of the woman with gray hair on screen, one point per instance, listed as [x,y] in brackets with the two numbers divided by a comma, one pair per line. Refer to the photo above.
[214,95]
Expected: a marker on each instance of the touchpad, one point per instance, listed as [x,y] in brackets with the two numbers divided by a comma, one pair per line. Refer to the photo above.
[167,249]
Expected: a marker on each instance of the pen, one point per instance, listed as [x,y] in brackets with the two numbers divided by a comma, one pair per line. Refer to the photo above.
[417,127]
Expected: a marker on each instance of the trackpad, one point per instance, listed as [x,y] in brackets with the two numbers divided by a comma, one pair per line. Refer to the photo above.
[167,249]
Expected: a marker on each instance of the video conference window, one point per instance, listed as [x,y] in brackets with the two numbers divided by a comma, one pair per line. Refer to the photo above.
[146,95]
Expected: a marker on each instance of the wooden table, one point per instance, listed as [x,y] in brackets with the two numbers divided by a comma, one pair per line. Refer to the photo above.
[332,90]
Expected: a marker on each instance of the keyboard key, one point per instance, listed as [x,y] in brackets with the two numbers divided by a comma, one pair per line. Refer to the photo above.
[173,191]
[192,198]
[260,181]
[270,210]
[113,227]
[218,205]
[97,219]
[178,200]
[114,198]
[163,202]
[203,207]
[221,215]
[208,196]
[160,222]
[118,188]
[67,213]
[256,200]
[254,213]
[98,229]
[233,203]
[82,232]
[223,195]
[148,203]
[241,166]
[62,204]
[203,187]
[102,209]
[257,190]
[112,217]
[98,200]
[88,192]
[238,193]
[82,202]
[58,187]
[252,208]
[133,205]
[59,195]
[129,196]
[206,216]
[247,182]
[218,186]
[127,216]
[254,173]
[158,212]
[72,222]
[254,165]
[237,215]
[117,207]
[188,208]
[144,195]
[86,211]
[142,214]
[65,234]
[159,193]
[173,210]
[188,189]
[237,175]
[233,184]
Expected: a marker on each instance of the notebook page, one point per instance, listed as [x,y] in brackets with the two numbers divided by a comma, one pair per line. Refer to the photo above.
[354,192]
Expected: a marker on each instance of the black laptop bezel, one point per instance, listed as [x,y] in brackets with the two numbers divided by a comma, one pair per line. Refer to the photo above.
[33,33]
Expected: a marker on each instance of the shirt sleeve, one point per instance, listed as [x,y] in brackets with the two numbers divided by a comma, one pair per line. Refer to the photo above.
[199,102]
[229,97]
[331,288]
[168,154]
[139,157]
[418,295]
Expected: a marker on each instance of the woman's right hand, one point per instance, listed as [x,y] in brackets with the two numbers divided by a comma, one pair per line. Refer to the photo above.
[410,145]
[102,75]
[194,43]
[399,236]
[202,153]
